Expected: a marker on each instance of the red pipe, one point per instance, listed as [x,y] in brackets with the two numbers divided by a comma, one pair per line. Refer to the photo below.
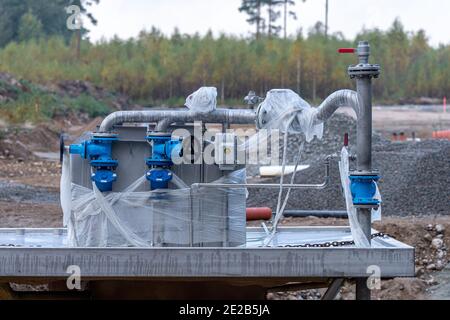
[346,140]
[346,50]
[441,135]
[254,214]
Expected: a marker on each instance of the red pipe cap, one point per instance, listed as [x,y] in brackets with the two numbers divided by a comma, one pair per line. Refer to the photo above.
[346,50]
[255,214]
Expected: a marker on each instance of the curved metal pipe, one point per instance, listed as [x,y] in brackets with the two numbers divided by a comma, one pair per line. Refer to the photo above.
[162,125]
[235,116]
[341,98]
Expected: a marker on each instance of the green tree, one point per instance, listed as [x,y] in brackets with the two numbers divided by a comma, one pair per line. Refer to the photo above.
[155,69]
[30,27]
[51,14]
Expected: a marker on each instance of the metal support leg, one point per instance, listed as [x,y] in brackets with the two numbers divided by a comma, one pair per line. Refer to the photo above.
[362,291]
[6,293]
[365,221]
[333,289]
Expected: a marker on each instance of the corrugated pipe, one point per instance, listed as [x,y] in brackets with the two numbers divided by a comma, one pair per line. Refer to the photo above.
[164,118]
[341,98]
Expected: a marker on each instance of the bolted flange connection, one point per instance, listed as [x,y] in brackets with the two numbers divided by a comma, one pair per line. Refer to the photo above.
[364,69]
[363,188]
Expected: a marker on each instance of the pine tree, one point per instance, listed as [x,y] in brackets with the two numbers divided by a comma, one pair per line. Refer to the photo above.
[273,15]
[288,13]
[253,8]
[30,27]
[50,13]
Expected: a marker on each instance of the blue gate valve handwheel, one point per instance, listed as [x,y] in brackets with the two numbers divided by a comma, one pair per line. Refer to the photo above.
[159,178]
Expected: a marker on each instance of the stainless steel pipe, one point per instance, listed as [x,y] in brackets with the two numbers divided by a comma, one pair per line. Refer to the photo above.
[232,116]
[273,185]
[341,98]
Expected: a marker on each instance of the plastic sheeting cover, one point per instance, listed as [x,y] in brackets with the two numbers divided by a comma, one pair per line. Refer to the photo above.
[288,112]
[65,193]
[203,100]
[357,232]
[161,218]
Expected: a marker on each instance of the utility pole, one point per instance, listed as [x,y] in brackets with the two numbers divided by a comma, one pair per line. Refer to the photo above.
[285,18]
[258,21]
[326,18]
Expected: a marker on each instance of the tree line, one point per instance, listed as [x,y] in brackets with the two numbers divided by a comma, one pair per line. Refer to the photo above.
[36,45]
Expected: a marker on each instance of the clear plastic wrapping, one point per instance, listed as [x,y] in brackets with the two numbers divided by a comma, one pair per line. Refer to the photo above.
[65,193]
[162,218]
[203,100]
[286,111]
[357,232]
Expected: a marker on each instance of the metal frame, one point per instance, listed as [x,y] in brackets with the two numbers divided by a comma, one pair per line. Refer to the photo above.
[274,185]
[42,253]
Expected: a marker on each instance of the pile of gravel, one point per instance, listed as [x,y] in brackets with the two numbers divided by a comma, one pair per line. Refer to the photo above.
[415,175]
[21,193]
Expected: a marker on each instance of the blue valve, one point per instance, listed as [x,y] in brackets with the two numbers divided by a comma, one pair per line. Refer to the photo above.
[364,188]
[104,179]
[159,178]
[163,148]
[98,151]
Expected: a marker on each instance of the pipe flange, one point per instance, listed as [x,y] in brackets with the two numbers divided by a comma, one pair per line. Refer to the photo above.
[365,173]
[105,136]
[261,117]
[364,70]
[151,134]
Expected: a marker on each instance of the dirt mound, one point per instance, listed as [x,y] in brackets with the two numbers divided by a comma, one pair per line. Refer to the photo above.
[76,88]
[10,87]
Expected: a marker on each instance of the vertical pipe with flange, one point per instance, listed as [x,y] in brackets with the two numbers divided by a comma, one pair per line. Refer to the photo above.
[364,72]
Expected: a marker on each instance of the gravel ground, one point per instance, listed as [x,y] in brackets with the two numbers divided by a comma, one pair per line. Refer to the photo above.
[429,235]
[415,179]
[27,194]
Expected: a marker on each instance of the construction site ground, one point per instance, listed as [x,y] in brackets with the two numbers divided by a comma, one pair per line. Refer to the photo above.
[29,197]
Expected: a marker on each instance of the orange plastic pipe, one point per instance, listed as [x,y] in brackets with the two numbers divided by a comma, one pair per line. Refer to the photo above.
[441,134]
[254,214]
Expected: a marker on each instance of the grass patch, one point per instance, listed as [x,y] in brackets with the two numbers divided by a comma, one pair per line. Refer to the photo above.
[36,105]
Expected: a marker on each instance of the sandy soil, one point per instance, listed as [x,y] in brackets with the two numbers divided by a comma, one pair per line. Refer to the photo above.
[388,120]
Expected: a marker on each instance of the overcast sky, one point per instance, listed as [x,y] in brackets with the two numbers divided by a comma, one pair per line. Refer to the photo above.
[126,18]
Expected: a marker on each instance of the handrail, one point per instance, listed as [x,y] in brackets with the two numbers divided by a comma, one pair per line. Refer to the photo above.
[273,185]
